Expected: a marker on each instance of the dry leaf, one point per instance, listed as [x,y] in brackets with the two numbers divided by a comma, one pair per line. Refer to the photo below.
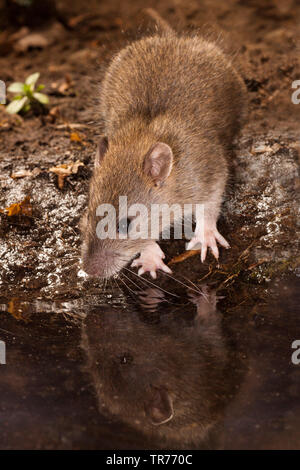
[183,256]
[64,170]
[63,87]
[20,174]
[75,137]
[4,124]
[75,20]
[70,125]
[19,310]
[263,148]
[20,208]
[53,114]
[23,173]
[36,171]
[61,68]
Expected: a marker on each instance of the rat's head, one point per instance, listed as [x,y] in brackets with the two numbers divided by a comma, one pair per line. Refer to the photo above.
[127,180]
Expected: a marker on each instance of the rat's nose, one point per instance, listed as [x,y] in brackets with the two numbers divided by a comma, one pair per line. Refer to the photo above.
[100,264]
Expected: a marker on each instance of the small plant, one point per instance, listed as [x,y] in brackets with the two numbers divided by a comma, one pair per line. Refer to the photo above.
[26,95]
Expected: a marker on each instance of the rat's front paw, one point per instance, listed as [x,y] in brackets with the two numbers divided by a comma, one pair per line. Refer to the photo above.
[208,240]
[150,260]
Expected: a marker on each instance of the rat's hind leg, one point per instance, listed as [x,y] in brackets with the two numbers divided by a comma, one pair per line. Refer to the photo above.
[151,259]
[206,232]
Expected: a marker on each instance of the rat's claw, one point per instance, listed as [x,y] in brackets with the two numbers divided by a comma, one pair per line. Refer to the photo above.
[214,248]
[222,240]
[151,260]
[203,252]
[208,240]
[166,268]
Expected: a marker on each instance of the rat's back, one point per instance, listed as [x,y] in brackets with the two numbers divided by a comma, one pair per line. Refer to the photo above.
[181,77]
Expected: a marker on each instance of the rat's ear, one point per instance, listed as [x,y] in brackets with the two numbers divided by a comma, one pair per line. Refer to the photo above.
[158,162]
[101,150]
[159,408]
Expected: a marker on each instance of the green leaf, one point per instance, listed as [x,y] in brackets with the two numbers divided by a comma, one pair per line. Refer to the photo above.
[41,97]
[16,87]
[32,79]
[28,89]
[40,87]
[16,105]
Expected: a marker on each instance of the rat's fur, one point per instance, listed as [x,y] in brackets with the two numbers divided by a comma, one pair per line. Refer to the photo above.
[182,91]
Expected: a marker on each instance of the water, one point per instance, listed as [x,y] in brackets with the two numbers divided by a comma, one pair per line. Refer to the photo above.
[141,368]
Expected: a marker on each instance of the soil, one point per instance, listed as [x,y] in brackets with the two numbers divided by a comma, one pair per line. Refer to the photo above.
[40,249]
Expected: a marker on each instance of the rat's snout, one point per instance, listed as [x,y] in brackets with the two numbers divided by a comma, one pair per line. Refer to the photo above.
[101,264]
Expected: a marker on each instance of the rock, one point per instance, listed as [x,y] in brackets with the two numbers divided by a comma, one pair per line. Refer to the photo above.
[39,40]
[32,41]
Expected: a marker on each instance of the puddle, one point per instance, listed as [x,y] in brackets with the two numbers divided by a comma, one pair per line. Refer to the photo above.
[148,369]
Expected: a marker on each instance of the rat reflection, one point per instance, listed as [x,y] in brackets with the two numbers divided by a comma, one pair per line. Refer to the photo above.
[164,369]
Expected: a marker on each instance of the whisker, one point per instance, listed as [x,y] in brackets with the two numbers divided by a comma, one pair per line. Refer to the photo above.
[127,287]
[111,284]
[136,285]
[152,283]
[140,278]
[193,284]
[200,291]
[115,280]
[182,283]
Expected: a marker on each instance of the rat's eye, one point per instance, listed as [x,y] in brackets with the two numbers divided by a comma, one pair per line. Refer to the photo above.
[123,226]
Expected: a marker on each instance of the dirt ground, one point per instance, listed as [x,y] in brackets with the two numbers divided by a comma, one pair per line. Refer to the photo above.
[43,292]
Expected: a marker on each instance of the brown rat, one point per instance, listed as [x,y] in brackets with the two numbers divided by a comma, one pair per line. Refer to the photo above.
[171,106]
